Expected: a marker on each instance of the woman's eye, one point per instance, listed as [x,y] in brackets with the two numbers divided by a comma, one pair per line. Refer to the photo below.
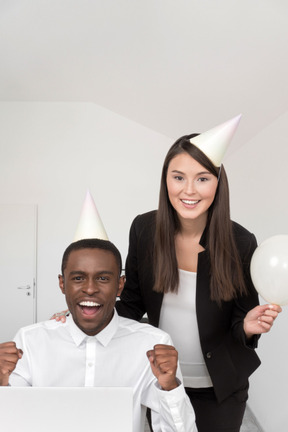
[202,179]
[180,178]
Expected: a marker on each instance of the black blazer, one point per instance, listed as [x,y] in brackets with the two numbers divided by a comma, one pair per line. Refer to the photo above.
[229,358]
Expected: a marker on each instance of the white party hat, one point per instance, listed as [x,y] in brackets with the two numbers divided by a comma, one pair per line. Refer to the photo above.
[215,142]
[90,224]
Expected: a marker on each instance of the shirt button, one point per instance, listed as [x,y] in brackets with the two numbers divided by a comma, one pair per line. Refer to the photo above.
[90,364]
[209,355]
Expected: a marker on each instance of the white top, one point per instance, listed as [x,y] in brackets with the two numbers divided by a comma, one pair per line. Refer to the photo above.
[61,355]
[178,318]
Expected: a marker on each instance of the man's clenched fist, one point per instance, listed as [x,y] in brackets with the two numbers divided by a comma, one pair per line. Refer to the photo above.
[9,356]
[163,360]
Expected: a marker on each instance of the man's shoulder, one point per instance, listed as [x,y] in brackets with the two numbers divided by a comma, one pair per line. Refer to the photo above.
[40,326]
[129,327]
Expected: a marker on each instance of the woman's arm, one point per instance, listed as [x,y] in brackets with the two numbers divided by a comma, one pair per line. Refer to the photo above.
[131,303]
[246,246]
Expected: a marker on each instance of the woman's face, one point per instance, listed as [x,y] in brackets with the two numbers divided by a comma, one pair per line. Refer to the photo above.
[191,188]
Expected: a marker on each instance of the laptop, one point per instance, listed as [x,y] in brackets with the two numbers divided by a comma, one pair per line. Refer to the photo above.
[66,409]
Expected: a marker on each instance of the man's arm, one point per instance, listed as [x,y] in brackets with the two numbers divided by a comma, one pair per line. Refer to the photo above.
[176,413]
[9,356]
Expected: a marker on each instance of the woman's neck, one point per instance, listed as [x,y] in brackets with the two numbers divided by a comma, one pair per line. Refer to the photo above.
[187,243]
[193,227]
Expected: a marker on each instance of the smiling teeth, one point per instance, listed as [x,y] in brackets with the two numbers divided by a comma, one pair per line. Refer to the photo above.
[89,303]
[190,202]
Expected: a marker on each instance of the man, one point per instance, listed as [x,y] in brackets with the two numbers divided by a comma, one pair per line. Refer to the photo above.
[96,347]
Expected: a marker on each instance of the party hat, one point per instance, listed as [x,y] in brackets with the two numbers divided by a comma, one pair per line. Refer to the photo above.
[215,142]
[90,224]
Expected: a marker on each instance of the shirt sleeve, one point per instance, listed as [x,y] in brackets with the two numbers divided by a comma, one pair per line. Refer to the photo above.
[21,376]
[171,411]
[245,303]
[176,413]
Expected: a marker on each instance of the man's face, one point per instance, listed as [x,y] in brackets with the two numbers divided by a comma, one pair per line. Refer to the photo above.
[91,284]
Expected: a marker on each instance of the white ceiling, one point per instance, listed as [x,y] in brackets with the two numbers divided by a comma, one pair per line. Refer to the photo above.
[171,65]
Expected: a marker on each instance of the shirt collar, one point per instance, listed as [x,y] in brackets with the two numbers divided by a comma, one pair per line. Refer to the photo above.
[104,337]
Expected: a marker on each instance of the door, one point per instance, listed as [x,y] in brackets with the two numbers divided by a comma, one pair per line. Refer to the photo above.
[18,225]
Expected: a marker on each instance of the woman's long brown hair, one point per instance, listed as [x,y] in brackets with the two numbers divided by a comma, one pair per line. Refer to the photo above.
[226,278]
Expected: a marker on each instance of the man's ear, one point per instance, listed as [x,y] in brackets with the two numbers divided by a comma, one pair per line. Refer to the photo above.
[61,283]
[121,285]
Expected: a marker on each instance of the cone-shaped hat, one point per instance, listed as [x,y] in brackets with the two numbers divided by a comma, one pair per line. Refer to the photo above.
[215,142]
[90,224]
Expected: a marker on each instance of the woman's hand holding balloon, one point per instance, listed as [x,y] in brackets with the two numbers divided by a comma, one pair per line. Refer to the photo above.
[260,319]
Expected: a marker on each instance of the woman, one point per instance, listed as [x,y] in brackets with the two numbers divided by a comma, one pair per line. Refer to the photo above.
[188,268]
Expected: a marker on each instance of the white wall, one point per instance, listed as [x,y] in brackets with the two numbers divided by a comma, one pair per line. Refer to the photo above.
[258,185]
[52,152]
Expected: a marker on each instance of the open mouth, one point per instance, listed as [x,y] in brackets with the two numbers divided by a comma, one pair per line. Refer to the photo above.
[90,307]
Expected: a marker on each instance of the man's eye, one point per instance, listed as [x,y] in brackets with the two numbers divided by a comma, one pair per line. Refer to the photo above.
[102,278]
[78,278]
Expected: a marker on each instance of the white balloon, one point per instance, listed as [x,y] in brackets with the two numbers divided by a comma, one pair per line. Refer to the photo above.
[269,269]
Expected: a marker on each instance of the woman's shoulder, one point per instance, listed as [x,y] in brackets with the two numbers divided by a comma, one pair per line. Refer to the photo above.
[145,220]
[143,226]
[243,237]
[146,217]
[240,230]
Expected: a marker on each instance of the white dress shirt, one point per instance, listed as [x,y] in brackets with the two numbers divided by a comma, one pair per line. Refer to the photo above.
[61,355]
